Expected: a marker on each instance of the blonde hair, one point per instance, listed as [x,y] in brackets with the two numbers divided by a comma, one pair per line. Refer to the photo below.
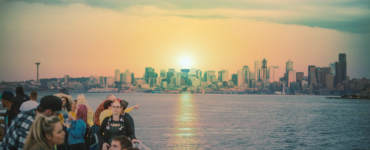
[42,126]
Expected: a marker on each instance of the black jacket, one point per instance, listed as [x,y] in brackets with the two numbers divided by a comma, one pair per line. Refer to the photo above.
[128,130]
[128,116]
[11,114]
[19,99]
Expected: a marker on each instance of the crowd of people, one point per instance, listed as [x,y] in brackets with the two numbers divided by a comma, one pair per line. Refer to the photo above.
[58,122]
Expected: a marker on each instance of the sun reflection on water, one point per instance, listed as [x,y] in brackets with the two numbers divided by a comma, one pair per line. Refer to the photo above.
[185,136]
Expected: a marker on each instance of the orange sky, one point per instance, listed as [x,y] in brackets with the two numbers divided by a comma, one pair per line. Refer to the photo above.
[80,41]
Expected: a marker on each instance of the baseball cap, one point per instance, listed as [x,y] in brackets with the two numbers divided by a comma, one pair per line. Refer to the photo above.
[52,102]
[7,95]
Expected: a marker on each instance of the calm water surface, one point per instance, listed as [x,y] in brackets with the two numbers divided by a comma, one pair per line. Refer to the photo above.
[220,121]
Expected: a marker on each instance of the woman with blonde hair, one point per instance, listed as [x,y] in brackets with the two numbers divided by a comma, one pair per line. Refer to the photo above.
[90,112]
[45,132]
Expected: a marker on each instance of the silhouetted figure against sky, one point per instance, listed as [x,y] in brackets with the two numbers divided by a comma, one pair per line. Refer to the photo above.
[20,97]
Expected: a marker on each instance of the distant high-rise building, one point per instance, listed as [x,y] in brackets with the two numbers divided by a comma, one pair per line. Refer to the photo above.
[185,76]
[246,72]
[223,75]
[149,73]
[272,74]
[170,74]
[66,80]
[178,79]
[257,69]
[208,75]
[199,74]
[234,78]
[337,74]
[311,75]
[299,76]
[264,69]
[128,76]
[101,80]
[332,66]
[329,81]
[162,73]
[122,77]
[289,66]
[291,77]
[342,67]
[241,77]
[117,75]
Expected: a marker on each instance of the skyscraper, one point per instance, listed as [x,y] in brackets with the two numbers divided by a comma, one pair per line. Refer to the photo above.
[311,75]
[234,78]
[332,66]
[149,73]
[264,69]
[128,76]
[66,80]
[272,74]
[291,77]
[299,76]
[241,78]
[223,75]
[246,72]
[162,73]
[257,69]
[289,66]
[117,75]
[199,74]
[342,67]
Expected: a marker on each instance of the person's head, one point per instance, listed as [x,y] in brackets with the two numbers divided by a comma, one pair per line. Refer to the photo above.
[124,105]
[33,95]
[7,98]
[120,143]
[45,132]
[111,97]
[82,113]
[74,104]
[116,107]
[50,105]
[65,104]
[19,91]
[107,104]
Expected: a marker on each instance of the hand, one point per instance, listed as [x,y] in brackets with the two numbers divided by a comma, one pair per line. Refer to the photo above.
[70,117]
[135,141]
[105,146]
[66,124]
[136,106]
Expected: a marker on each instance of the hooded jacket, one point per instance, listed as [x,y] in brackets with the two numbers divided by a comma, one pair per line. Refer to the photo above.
[20,97]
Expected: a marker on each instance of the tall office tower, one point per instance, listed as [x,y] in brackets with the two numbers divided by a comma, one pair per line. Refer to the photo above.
[66,80]
[132,78]
[162,73]
[291,77]
[209,76]
[342,67]
[329,81]
[117,75]
[246,72]
[178,79]
[192,72]
[332,66]
[185,76]
[289,66]
[199,74]
[149,73]
[337,74]
[37,63]
[122,77]
[272,74]
[128,76]
[234,78]
[241,77]
[318,74]
[264,69]
[257,69]
[311,75]
[223,75]
[325,71]
[101,80]
[299,76]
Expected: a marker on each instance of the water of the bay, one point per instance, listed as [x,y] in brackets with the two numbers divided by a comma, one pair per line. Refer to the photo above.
[223,121]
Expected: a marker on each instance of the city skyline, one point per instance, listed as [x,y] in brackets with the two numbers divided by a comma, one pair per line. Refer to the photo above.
[82,39]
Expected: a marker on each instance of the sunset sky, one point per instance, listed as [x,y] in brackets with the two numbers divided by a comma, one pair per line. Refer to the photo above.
[96,37]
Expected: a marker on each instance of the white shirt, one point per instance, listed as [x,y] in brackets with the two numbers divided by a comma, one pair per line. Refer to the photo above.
[28,105]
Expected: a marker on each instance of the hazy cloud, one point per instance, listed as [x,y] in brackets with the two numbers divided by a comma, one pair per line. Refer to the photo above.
[343,15]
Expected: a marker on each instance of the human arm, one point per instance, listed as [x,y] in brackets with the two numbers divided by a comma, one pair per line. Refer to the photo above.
[101,129]
[129,130]
[78,130]
[129,109]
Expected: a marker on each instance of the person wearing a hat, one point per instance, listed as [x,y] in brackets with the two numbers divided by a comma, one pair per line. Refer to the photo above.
[12,110]
[15,136]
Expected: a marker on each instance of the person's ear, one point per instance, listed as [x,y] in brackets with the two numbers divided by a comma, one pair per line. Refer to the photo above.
[48,136]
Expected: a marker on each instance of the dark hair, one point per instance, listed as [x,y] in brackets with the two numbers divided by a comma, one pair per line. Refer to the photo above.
[19,91]
[107,103]
[124,141]
[67,105]
[33,95]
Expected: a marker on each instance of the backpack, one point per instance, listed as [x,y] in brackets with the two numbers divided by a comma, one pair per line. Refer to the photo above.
[87,137]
